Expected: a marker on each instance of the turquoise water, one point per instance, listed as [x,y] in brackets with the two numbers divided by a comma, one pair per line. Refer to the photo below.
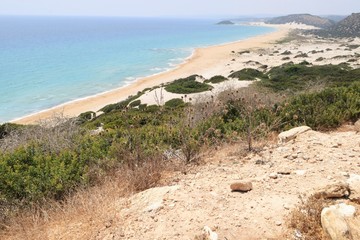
[47,61]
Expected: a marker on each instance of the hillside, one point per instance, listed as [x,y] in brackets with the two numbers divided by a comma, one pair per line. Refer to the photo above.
[348,27]
[163,169]
[334,18]
[303,19]
[282,176]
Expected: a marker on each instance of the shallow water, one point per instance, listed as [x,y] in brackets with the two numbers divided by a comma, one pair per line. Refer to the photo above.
[47,61]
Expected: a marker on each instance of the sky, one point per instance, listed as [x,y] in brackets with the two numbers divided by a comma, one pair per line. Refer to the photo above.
[177,8]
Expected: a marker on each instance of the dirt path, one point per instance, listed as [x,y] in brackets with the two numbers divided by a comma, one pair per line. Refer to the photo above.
[279,174]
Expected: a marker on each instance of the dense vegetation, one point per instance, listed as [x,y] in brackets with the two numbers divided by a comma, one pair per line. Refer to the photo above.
[297,77]
[44,162]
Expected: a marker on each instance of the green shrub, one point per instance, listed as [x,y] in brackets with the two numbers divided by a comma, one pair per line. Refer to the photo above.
[296,77]
[135,103]
[187,85]
[29,174]
[174,103]
[86,116]
[248,74]
[216,79]
[324,110]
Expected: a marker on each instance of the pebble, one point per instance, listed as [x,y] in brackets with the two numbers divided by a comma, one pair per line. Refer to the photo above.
[243,186]
[273,175]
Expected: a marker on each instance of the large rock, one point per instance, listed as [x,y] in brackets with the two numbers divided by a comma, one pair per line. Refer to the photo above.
[292,133]
[210,234]
[337,190]
[152,200]
[339,222]
[243,186]
[354,185]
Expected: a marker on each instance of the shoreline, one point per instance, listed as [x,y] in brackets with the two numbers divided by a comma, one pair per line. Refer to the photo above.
[202,61]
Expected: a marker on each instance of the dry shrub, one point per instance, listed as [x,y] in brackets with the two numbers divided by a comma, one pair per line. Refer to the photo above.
[305,220]
[82,214]
[54,134]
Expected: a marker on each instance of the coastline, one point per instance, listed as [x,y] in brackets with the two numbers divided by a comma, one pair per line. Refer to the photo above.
[203,61]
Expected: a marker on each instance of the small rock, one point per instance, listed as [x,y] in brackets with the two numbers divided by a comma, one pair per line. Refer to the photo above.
[357,125]
[300,172]
[211,235]
[273,176]
[354,185]
[244,186]
[278,223]
[284,172]
[154,207]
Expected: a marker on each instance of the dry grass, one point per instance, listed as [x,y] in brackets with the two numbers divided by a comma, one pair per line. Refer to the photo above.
[305,220]
[89,211]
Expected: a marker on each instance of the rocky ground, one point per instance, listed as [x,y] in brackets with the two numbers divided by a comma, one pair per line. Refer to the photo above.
[281,175]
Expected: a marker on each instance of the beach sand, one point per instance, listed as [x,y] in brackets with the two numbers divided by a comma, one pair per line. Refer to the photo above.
[207,62]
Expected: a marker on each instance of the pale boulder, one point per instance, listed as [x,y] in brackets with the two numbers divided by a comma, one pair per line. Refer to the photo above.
[354,185]
[292,133]
[339,222]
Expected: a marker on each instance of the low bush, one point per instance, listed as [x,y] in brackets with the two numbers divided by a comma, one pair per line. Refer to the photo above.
[30,174]
[135,103]
[324,110]
[296,77]
[216,79]
[248,74]
[187,85]
[174,103]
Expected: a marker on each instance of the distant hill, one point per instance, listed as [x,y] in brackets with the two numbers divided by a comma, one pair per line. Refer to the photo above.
[348,27]
[226,22]
[334,18]
[307,19]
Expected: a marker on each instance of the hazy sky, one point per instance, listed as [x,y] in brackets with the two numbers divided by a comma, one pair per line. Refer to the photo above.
[215,8]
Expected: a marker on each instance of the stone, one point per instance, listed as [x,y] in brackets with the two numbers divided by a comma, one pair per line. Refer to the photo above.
[354,185]
[339,222]
[278,223]
[210,234]
[292,133]
[337,190]
[243,186]
[273,176]
[284,172]
[300,172]
[357,125]
[154,207]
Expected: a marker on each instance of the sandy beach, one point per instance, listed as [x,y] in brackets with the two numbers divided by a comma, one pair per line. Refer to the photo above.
[204,61]
[220,60]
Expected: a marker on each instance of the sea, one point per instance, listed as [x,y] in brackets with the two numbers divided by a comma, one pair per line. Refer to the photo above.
[48,61]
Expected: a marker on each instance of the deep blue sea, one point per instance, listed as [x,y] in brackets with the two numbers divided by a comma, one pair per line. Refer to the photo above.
[47,61]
